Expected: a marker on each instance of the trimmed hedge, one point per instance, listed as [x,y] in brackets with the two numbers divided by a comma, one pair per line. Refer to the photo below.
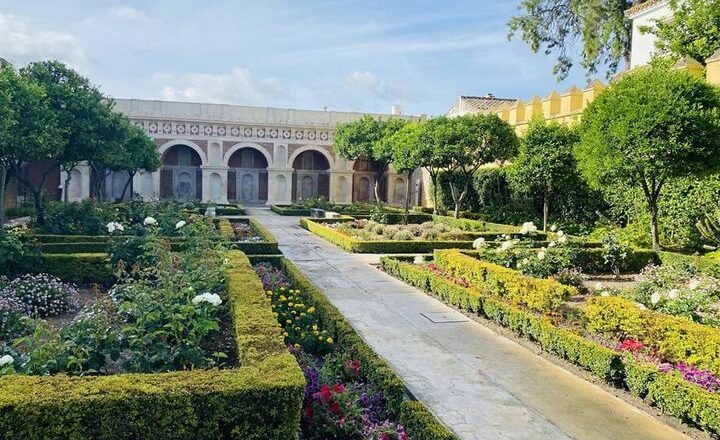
[677,339]
[354,245]
[392,218]
[259,400]
[478,225]
[414,416]
[668,392]
[540,295]
[268,246]
[82,268]
[289,210]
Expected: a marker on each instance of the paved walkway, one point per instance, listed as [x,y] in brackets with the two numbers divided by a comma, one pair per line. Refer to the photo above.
[479,383]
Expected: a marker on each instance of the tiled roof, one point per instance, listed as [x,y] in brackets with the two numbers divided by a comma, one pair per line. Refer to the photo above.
[642,6]
[479,104]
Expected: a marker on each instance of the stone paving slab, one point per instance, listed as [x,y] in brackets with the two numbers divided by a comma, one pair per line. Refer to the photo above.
[479,383]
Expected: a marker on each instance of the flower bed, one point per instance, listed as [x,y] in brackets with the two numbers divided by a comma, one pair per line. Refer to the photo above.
[258,398]
[248,235]
[597,340]
[343,373]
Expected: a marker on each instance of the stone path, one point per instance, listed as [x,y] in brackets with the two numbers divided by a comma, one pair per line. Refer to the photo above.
[479,383]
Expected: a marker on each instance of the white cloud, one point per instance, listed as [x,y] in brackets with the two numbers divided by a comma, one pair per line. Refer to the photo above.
[239,87]
[363,83]
[20,44]
[128,13]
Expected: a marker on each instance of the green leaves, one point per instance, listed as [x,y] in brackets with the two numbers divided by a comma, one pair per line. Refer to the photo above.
[694,29]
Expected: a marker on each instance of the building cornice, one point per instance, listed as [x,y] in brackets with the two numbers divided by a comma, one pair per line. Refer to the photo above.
[642,7]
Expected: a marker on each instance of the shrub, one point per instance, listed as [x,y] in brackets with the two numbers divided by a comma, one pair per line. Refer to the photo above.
[544,296]
[78,218]
[40,295]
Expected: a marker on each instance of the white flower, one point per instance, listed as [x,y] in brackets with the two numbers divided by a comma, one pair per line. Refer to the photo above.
[479,243]
[541,255]
[562,239]
[179,224]
[641,306]
[150,221]
[604,293]
[114,226]
[552,244]
[560,234]
[506,245]
[599,286]
[694,284]
[210,298]
[655,298]
[673,294]
[553,228]
[6,360]
[226,262]
[528,228]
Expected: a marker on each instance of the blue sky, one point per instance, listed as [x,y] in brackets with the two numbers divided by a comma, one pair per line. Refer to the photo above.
[352,55]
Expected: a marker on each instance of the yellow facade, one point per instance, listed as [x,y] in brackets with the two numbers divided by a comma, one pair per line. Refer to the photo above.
[568,106]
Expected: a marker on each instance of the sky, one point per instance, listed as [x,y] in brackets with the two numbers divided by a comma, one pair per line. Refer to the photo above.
[347,55]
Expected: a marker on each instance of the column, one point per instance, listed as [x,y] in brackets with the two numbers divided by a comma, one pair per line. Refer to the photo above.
[279,186]
[341,186]
[214,184]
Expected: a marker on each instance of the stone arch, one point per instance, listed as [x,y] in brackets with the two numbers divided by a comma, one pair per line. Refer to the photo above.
[321,150]
[181,172]
[241,145]
[168,145]
[247,174]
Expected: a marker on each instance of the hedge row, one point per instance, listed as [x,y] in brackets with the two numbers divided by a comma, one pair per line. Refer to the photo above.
[267,246]
[540,295]
[414,416]
[289,210]
[392,218]
[354,245]
[477,225]
[80,268]
[669,392]
[677,339]
[259,400]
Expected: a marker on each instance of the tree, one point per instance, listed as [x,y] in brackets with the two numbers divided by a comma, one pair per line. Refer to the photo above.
[546,162]
[472,141]
[140,152]
[33,129]
[407,156]
[556,25]
[363,139]
[693,30]
[7,121]
[651,126]
[434,136]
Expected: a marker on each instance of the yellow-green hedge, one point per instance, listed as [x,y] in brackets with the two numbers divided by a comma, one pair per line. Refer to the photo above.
[354,245]
[414,416]
[677,339]
[540,295]
[669,392]
[261,399]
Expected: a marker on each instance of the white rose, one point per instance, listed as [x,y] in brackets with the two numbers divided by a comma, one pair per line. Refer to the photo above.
[604,293]
[562,238]
[674,294]
[655,298]
[553,228]
[210,298]
[560,234]
[150,221]
[552,244]
[528,228]
[110,227]
[180,224]
[6,360]
[541,255]
[641,306]
[694,284]
[479,243]
[119,227]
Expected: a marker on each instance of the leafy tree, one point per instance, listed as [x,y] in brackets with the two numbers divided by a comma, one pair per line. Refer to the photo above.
[407,156]
[555,26]
[140,154]
[472,141]
[435,135]
[363,139]
[546,163]
[648,127]
[694,29]
[32,131]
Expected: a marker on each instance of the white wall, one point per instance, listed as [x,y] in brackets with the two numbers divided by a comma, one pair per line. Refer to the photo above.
[643,45]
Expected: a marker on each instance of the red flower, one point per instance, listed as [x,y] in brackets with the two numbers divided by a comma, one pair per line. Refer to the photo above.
[325,393]
[334,407]
[338,388]
[309,412]
[384,436]
[353,366]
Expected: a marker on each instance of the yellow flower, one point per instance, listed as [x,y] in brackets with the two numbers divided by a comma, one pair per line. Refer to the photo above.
[297,346]
[290,304]
[311,310]
[315,327]
[329,340]
[289,321]
[285,334]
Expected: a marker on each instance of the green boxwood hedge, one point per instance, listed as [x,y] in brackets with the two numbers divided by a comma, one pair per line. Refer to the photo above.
[354,245]
[289,210]
[669,392]
[413,415]
[260,399]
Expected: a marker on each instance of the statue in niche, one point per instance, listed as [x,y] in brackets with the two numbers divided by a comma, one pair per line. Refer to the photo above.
[247,188]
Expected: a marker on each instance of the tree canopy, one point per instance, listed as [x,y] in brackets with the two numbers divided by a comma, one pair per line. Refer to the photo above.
[648,127]
[545,163]
[555,26]
[407,154]
[694,29]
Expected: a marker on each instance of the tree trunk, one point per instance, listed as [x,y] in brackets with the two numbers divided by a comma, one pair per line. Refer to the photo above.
[3,177]
[407,193]
[125,188]
[546,210]
[434,179]
[39,205]
[67,186]
[654,232]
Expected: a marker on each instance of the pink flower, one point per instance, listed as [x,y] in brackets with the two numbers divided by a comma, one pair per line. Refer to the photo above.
[338,388]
